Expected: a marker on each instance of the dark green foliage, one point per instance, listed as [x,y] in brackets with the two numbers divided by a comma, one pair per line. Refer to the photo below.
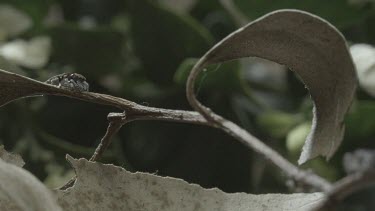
[163,39]
[93,53]
[340,13]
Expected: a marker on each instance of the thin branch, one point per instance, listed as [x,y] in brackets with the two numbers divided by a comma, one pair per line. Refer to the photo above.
[346,187]
[135,111]
[18,86]
[68,184]
[247,139]
[116,121]
[132,109]
[115,124]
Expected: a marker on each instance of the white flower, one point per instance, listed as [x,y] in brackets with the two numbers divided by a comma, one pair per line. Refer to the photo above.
[12,21]
[364,59]
[32,54]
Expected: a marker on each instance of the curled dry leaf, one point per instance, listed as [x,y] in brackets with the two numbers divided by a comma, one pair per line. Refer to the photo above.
[108,187]
[11,158]
[311,47]
[20,190]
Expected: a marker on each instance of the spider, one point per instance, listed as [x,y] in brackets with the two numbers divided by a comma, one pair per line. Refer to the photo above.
[70,81]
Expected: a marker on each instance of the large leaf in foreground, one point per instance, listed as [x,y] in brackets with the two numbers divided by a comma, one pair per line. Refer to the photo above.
[311,47]
[20,190]
[108,187]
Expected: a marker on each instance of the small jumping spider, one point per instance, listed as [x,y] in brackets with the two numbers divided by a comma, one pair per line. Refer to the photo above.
[70,81]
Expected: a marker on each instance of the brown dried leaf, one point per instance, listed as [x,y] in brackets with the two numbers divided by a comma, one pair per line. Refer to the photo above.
[312,48]
[108,187]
